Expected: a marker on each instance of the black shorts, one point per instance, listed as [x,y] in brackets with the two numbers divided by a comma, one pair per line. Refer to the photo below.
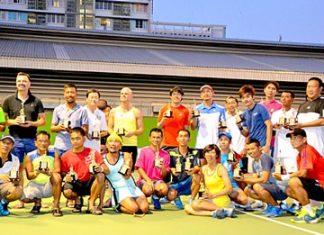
[313,188]
[133,151]
[81,188]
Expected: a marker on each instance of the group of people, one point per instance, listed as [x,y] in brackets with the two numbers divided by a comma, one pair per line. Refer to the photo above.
[247,160]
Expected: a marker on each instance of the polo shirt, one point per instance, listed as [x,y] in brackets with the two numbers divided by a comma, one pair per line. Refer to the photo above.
[33,106]
[208,123]
[254,122]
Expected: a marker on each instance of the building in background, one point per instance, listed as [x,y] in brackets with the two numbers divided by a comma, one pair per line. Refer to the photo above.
[106,15]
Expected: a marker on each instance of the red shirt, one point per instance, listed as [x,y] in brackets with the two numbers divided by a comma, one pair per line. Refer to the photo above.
[179,120]
[309,159]
[80,163]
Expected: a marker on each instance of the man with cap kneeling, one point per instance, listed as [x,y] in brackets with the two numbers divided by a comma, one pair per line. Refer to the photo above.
[308,182]
[126,196]
[10,175]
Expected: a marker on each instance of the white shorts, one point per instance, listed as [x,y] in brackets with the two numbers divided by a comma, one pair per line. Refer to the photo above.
[33,190]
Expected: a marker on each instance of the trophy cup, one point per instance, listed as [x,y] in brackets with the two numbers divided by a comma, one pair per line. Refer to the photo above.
[124,168]
[22,115]
[168,113]
[194,113]
[73,174]
[178,165]
[282,121]
[121,131]
[187,164]
[236,171]
[95,134]
[231,156]
[43,166]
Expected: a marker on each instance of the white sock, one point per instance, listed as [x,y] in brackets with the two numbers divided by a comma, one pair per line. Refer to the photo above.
[309,209]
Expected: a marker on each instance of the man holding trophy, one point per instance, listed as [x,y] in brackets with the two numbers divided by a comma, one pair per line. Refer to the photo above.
[10,175]
[126,196]
[83,172]
[184,168]
[127,121]
[43,171]
[153,166]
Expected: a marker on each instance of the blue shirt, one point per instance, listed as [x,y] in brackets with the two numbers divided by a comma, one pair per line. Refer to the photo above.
[207,124]
[254,121]
[228,165]
[265,163]
[77,117]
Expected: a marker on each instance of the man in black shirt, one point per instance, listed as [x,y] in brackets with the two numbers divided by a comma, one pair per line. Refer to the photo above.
[25,113]
[184,165]
[311,114]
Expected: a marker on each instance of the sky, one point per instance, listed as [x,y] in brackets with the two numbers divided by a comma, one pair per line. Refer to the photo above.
[298,21]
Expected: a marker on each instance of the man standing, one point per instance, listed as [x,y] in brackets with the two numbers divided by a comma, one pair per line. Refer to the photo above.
[67,116]
[83,171]
[280,120]
[43,171]
[173,117]
[25,113]
[184,168]
[308,181]
[271,88]
[210,115]
[257,124]
[153,166]
[311,113]
[127,122]
[97,120]
[11,184]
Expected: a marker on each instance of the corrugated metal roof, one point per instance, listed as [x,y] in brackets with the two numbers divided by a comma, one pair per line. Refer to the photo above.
[151,56]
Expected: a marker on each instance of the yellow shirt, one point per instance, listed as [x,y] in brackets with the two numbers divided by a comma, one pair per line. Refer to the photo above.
[126,120]
[214,183]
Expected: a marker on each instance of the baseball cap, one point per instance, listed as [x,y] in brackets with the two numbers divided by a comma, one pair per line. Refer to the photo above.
[225,133]
[297,131]
[7,137]
[206,86]
[114,136]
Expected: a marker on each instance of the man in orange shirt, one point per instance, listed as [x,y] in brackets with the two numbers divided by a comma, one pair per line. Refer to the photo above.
[173,117]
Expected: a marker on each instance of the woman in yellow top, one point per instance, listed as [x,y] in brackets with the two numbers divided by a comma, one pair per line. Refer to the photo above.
[216,202]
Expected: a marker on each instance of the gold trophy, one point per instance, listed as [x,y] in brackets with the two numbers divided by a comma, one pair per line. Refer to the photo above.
[14,172]
[222,124]
[178,165]
[282,121]
[236,171]
[195,113]
[124,168]
[239,117]
[292,121]
[187,164]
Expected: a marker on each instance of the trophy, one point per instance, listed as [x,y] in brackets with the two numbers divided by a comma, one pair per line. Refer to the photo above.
[282,121]
[178,165]
[22,115]
[187,164]
[222,124]
[168,113]
[158,161]
[95,134]
[93,165]
[13,175]
[239,117]
[280,168]
[292,121]
[194,113]
[121,131]
[73,174]
[237,171]
[124,168]
[43,166]
[231,157]
[66,123]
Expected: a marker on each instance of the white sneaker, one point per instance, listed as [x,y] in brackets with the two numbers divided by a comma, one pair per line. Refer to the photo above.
[257,205]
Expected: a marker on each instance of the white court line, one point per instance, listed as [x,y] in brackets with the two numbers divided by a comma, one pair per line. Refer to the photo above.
[282,223]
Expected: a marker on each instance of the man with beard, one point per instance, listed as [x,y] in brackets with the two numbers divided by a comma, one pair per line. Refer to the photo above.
[67,116]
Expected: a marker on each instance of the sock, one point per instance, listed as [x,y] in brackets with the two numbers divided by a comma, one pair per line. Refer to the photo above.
[309,209]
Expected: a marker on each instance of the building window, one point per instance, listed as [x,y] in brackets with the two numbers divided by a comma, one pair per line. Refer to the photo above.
[55,19]
[140,24]
[3,15]
[100,5]
[140,8]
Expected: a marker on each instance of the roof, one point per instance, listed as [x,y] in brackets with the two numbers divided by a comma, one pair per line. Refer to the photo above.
[78,51]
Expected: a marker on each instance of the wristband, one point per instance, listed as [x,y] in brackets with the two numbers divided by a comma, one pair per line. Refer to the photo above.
[285,177]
